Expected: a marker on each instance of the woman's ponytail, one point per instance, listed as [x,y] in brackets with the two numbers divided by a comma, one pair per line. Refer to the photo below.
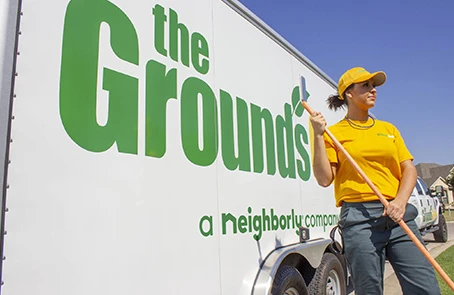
[335,102]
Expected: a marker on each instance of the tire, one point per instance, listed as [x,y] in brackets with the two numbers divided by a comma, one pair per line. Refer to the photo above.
[329,279]
[289,281]
[441,235]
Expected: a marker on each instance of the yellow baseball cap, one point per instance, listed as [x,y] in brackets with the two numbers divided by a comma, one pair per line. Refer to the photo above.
[357,75]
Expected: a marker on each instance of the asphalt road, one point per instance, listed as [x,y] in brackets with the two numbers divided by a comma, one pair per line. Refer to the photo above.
[392,286]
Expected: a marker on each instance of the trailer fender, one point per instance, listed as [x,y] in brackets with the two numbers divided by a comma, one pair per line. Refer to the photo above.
[312,251]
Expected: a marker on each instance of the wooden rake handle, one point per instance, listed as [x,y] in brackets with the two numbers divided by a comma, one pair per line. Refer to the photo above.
[402,223]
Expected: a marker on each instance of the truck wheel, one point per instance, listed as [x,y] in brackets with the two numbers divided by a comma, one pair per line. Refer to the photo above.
[289,281]
[329,279]
[441,235]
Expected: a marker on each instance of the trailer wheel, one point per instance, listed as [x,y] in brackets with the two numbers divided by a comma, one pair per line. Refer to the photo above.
[329,279]
[289,281]
[441,235]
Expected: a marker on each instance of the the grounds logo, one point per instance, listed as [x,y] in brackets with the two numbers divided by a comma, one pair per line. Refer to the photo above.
[261,142]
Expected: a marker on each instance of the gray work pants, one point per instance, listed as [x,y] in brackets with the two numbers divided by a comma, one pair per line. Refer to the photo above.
[369,237]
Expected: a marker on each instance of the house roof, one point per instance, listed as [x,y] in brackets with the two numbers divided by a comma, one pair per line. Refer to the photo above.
[430,172]
[424,169]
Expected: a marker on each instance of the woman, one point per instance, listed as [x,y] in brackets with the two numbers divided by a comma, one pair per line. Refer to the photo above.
[370,232]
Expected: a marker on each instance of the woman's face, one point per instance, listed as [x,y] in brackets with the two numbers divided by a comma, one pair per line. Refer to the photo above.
[363,95]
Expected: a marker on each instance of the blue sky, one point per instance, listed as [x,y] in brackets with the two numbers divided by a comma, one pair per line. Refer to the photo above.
[411,40]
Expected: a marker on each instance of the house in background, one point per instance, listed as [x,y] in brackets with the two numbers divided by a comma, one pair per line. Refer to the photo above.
[434,176]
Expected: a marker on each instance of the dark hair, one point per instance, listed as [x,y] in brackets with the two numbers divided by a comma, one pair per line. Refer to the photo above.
[335,102]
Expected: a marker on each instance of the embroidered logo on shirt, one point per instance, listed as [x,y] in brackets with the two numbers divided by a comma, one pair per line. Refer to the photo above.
[387,135]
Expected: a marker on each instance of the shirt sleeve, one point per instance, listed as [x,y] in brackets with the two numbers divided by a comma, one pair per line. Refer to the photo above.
[331,150]
[402,152]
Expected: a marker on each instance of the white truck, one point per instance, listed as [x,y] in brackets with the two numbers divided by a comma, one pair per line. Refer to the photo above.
[430,217]
[159,147]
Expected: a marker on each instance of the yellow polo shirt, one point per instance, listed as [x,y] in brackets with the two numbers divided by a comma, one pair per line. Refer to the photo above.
[378,150]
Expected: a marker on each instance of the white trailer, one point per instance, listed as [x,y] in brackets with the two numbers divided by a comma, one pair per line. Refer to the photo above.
[153,147]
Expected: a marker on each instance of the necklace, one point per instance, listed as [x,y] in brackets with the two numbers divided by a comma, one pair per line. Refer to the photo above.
[353,124]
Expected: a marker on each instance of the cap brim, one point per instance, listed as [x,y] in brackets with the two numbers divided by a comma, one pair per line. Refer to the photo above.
[379,78]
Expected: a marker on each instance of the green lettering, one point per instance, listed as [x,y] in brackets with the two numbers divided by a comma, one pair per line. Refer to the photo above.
[123,120]
[199,47]
[266,220]
[226,217]
[283,222]
[274,221]
[259,116]
[78,77]
[303,165]
[232,162]
[160,87]
[160,19]
[203,220]
[257,227]
[191,90]
[242,224]
[178,30]
[285,144]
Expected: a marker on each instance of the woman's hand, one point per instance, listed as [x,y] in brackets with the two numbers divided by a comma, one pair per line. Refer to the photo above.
[324,171]
[318,123]
[395,210]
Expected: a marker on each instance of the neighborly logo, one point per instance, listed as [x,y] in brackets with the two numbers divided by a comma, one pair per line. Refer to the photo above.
[386,135]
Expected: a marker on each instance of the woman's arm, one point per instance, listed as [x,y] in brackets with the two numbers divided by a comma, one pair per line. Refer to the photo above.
[396,208]
[324,172]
